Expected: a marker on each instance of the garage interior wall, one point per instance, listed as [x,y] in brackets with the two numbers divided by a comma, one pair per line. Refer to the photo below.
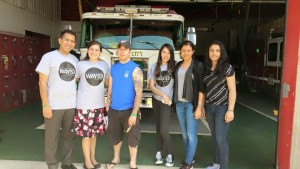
[40,16]
[295,154]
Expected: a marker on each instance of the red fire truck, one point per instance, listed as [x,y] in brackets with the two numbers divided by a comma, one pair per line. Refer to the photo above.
[264,56]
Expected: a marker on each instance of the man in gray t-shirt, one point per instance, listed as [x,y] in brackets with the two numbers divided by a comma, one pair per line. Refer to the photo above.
[57,71]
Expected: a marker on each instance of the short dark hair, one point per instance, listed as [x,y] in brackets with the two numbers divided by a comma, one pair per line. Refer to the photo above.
[67,31]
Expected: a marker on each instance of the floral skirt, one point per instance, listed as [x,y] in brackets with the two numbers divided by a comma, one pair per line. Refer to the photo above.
[88,123]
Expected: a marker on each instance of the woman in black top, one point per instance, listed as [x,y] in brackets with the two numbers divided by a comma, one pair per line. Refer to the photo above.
[188,98]
[220,97]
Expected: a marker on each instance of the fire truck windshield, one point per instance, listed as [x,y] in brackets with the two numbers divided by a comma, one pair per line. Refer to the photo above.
[145,34]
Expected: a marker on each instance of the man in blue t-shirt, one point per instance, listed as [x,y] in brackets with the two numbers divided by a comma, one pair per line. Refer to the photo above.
[123,100]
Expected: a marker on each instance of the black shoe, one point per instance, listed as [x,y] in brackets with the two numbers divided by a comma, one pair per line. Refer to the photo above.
[85,167]
[71,166]
[97,165]
[186,166]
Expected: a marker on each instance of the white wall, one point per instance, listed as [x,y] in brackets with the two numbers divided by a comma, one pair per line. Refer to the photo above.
[295,149]
[16,20]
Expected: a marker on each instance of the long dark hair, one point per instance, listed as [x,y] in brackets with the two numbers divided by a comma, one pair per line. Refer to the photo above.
[87,57]
[171,62]
[223,61]
[188,43]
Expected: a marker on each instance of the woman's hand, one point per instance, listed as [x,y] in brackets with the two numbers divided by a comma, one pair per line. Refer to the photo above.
[198,113]
[229,116]
[166,100]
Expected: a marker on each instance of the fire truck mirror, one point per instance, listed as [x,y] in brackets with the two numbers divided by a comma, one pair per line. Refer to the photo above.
[191,35]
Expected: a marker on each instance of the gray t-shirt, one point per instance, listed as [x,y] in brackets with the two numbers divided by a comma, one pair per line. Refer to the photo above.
[91,84]
[163,83]
[61,71]
[181,75]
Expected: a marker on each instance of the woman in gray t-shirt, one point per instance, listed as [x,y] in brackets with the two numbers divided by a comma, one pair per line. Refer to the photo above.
[89,119]
[161,84]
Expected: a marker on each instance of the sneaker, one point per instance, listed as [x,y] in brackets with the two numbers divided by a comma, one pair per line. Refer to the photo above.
[213,166]
[159,159]
[169,160]
[184,165]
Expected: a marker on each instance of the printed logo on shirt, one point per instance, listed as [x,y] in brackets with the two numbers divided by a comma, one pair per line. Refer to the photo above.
[164,79]
[67,71]
[126,74]
[94,76]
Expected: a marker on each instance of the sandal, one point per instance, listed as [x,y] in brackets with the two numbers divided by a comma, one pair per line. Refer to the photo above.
[133,168]
[111,165]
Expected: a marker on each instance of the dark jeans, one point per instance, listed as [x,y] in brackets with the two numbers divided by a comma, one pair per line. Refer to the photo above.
[162,114]
[215,116]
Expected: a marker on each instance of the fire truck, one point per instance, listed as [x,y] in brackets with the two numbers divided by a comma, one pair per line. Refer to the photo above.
[264,56]
[147,28]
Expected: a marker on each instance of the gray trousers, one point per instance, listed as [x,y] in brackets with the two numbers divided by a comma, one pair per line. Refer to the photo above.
[61,119]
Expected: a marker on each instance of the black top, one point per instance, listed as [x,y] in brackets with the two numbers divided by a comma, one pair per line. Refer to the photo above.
[216,86]
[193,82]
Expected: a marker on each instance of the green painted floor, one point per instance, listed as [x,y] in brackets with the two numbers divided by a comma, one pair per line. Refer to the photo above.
[252,141]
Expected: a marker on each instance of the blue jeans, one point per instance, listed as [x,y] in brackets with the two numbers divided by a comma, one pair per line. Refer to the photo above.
[189,127]
[215,116]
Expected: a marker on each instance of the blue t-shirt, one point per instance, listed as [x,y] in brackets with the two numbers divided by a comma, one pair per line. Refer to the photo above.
[123,92]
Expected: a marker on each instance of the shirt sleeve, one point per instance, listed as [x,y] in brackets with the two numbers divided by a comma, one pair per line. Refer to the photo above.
[151,72]
[44,65]
[77,76]
[107,71]
[229,72]
[201,77]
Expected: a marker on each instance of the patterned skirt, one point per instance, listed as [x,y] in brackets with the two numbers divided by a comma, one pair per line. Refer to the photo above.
[87,123]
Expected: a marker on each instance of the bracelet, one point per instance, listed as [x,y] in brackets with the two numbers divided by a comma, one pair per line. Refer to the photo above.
[45,105]
[199,105]
[133,114]
[230,110]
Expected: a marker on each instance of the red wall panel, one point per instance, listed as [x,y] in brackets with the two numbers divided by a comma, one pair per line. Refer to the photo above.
[287,100]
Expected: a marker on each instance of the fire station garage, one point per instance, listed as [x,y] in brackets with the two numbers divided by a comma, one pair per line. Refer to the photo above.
[261,38]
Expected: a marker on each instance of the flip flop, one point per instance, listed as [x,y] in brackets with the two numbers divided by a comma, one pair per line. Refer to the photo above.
[111,165]
[133,168]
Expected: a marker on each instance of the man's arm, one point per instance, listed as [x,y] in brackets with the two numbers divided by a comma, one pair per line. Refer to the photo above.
[138,87]
[43,84]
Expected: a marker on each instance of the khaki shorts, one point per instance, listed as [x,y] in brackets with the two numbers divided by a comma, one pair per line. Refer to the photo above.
[118,125]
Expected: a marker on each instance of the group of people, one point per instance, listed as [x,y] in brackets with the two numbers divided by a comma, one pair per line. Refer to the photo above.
[195,89]
[80,110]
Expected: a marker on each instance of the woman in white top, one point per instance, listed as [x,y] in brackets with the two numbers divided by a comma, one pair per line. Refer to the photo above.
[89,119]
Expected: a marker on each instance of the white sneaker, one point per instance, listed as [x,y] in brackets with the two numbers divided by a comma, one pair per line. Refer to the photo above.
[169,160]
[213,166]
[159,159]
